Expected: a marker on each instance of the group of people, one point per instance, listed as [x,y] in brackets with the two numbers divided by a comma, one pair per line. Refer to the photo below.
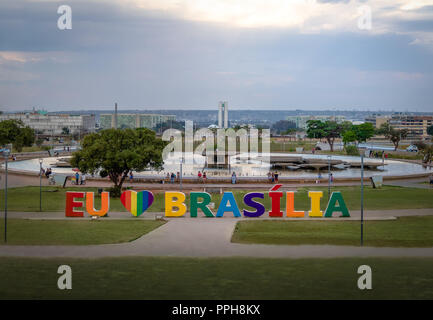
[273,177]
[378,154]
[172,177]
[49,174]
[80,179]
[202,177]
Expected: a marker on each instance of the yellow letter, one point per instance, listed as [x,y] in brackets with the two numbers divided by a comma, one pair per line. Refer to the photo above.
[315,203]
[178,203]
[105,204]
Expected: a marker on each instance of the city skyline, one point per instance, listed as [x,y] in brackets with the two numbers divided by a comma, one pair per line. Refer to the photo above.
[271,55]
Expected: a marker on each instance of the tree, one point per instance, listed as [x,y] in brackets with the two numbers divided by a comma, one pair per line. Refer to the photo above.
[364,131]
[392,134]
[282,126]
[170,124]
[13,131]
[426,150]
[329,130]
[66,131]
[430,130]
[117,152]
[349,136]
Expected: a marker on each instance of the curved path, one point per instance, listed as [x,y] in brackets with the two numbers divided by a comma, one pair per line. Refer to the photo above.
[207,237]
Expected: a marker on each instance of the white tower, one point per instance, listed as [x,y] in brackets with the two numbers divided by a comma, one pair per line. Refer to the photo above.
[115,116]
[226,114]
[220,114]
[223,115]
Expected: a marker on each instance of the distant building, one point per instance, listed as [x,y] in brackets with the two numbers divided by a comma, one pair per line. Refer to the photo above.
[131,120]
[301,121]
[53,124]
[223,114]
[416,125]
[377,120]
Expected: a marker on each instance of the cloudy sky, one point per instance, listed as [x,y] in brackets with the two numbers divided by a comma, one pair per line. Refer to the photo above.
[275,54]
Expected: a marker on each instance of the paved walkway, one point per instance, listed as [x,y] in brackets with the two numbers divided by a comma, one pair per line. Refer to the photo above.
[15,180]
[207,237]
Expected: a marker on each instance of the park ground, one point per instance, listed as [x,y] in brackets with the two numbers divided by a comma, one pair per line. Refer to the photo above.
[257,259]
[216,278]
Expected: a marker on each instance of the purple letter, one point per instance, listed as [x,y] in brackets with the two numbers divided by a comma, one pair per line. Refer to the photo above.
[260,208]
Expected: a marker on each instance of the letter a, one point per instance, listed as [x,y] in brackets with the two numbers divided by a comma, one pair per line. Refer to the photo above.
[65,280]
[65,20]
[336,197]
[365,281]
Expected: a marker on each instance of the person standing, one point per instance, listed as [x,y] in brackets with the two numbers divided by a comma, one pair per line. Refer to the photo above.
[77,178]
[204,177]
[199,176]
[276,177]
[233,178]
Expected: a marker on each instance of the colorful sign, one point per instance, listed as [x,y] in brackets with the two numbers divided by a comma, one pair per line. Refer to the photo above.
[138,202]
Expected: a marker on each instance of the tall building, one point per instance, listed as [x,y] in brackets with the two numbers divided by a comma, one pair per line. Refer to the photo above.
[416,125]
[377,120]
[223,115]
[301,121]
[133,120]
[44,123]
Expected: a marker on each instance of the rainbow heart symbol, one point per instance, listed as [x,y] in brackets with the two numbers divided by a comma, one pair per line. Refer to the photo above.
[136,202]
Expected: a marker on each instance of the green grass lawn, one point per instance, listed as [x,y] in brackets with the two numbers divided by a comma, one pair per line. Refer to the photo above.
[403,232]
[83,232]
[389,197]
[216,278]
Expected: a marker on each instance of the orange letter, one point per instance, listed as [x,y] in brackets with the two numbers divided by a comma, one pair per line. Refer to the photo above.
[290,206]
[105,204]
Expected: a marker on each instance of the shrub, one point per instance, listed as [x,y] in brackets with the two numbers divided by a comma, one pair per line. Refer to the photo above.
[352,151]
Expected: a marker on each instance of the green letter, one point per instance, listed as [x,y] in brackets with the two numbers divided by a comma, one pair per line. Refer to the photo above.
[194,204]
[336,197]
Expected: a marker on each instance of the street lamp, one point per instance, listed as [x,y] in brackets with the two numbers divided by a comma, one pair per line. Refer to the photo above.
[329,177]
[6,153]
[40,185]
[182,160]
[362,199]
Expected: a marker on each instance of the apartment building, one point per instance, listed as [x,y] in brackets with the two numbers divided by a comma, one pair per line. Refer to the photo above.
[131,120]
[53,124]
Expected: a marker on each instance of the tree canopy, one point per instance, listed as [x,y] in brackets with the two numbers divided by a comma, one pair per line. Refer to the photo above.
[282,126]
[392,134]
[329,130]
[358,133]
[117,152]
[426,149]
[14,132]
[430,130]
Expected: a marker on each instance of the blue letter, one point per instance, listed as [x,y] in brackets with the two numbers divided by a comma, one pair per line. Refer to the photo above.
[228,198]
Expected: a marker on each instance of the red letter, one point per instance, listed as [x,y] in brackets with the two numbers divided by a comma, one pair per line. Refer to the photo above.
[275,200]
[71,204]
